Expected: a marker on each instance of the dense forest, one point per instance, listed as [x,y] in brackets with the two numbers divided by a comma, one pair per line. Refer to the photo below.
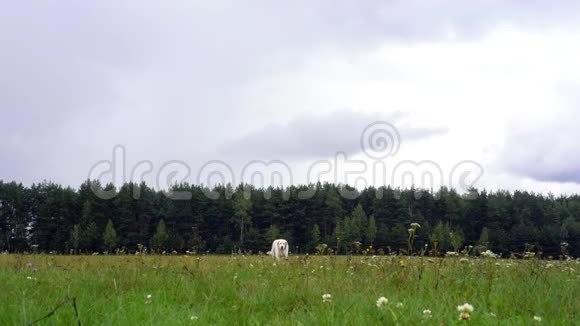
[48,217]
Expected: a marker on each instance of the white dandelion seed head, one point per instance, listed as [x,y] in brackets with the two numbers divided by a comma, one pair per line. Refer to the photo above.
[538,319]
[427,313]
[149,296]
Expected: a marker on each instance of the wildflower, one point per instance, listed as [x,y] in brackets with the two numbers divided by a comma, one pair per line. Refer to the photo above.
[464,260]
[194,318]
[451,254]
[488,254]
[492,314]
[464,316]
[427,313]
[399,305]
[382,301]
[31,278]
[29,264]
[538,319]
[465,310]
[466,307]
[326,298]
[149,297]
[549,265]
[415,225]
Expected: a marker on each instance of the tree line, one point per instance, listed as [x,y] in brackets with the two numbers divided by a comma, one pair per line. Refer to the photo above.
[48,217]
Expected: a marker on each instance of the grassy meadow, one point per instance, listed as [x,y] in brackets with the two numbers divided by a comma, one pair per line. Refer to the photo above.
[255,290]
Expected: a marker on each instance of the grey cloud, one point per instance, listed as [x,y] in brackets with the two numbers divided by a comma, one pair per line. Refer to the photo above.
[78,77]
[319,136]
[548,152]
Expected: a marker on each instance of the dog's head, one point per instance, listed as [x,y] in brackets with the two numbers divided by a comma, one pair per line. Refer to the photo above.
[282,245]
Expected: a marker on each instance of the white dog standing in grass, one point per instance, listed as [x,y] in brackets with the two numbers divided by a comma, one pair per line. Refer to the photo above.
[279,249]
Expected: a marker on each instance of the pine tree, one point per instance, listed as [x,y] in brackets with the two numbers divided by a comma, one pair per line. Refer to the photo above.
[242,206]
[273,233]
[89,237]
[74,241]
[372,230]
[110,236]
[315,237]
[161,238]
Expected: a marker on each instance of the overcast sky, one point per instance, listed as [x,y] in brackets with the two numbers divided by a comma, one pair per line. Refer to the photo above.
[493,82]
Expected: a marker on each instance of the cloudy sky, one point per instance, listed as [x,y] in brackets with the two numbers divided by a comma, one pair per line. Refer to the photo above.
[493,82]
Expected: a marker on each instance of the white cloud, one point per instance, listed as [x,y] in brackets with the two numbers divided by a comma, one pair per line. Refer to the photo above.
[480,90]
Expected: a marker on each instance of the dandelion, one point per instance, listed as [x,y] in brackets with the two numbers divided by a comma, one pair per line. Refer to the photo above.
[427,313]
[326,298]
[149,297]
[538,319]
[465,309]
[382,301]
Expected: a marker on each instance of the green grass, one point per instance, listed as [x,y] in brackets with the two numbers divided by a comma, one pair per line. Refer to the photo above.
[251,290]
